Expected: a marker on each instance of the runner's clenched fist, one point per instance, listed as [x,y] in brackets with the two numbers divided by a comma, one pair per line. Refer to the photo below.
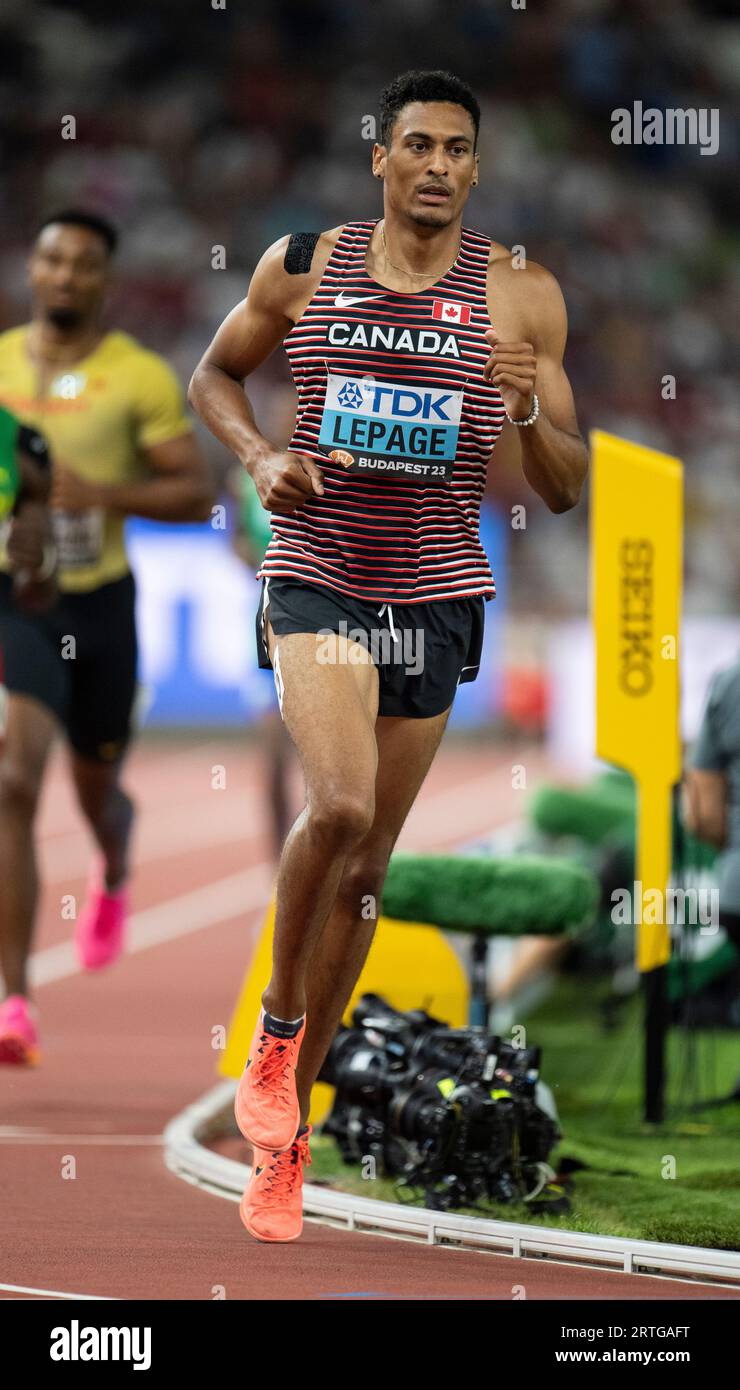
[284,479]
[512,367]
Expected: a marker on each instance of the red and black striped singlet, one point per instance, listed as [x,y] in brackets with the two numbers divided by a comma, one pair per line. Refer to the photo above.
[392,385]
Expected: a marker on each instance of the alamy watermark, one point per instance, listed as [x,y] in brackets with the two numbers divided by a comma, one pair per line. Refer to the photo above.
[398,648]
[674,126]
[696,907]
[78,1342]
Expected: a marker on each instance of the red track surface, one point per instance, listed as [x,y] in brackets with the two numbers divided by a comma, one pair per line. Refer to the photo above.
[126,1050]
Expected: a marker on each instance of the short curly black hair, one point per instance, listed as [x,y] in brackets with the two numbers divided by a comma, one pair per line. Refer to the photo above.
[420,85]
[78,217]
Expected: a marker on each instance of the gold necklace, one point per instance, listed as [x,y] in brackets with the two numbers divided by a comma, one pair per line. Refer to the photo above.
[416,274]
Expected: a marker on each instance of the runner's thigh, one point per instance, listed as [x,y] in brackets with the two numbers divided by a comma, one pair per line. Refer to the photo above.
[329,705]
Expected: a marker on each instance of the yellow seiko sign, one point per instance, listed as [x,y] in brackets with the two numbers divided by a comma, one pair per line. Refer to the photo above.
[636,571]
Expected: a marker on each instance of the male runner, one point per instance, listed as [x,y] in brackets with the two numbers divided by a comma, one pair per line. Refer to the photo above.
[121,444]
[410,339]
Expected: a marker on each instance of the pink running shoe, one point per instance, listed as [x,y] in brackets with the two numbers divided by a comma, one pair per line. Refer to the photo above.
[100,925]
[19,1034]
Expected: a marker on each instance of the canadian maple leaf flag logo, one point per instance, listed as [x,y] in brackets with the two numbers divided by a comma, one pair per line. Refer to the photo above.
[451,312]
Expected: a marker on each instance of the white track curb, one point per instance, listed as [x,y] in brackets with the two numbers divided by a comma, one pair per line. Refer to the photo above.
[186,1155]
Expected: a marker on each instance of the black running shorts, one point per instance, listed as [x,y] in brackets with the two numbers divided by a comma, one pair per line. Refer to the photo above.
[422,651]
[89,685]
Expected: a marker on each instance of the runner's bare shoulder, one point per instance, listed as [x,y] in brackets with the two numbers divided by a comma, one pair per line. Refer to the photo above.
[287,276]
[511,264]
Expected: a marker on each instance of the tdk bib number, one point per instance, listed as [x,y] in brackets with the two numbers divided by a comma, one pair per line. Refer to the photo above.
[386,429]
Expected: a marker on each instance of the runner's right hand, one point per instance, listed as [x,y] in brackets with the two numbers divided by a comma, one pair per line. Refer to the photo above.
[28,531]
[283,481]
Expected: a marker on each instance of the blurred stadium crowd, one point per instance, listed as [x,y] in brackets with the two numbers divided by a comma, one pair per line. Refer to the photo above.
[199,127]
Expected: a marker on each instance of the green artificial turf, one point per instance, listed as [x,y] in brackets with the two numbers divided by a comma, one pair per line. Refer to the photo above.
[595,1077]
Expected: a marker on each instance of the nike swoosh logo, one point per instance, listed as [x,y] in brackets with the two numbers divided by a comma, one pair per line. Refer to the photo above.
[341,302]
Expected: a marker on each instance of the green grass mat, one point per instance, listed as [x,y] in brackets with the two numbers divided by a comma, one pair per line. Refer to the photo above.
[596,1080]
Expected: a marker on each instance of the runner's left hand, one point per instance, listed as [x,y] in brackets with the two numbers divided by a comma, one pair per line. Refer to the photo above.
[512,367]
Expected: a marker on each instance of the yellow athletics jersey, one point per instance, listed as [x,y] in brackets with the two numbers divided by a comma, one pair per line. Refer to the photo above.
[97,415]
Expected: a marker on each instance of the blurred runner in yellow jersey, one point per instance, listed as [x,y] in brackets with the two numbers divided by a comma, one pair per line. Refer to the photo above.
[121,444]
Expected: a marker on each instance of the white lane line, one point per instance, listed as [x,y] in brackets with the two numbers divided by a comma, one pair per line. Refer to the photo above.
[18,1134]
[215,904]
[151,785]
[209,906]
[250,889]
[175,830]
[54,1293]
[160,833]
[462,810]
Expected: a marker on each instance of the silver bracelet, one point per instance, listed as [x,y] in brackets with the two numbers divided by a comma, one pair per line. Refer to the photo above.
[534,412]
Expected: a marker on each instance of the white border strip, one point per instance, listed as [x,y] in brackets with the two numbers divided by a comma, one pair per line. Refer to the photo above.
[54,1293]
[186,1156]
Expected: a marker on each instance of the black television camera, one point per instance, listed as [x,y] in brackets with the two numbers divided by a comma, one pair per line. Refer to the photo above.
[451,1111]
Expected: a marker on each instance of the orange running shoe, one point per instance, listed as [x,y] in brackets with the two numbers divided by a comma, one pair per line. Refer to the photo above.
[266,1107]
[272,1205]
